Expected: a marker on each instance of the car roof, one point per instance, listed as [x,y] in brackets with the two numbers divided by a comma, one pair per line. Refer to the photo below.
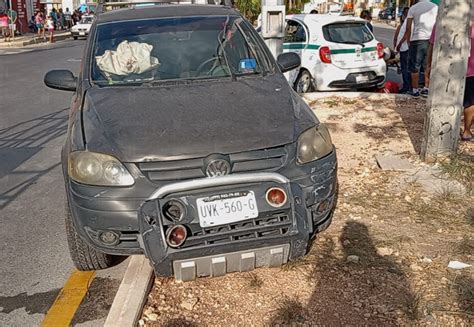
[318,19]
[161,11]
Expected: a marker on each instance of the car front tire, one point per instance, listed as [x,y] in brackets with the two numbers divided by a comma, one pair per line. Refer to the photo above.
[304,82]
[84,257]
[75,37]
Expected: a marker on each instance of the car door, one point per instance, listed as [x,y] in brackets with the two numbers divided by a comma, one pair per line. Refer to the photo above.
[296,40]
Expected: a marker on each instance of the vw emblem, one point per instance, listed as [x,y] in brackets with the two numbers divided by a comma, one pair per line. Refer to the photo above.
[218,167]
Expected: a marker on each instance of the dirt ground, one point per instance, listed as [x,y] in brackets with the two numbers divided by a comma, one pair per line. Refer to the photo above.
[384,260]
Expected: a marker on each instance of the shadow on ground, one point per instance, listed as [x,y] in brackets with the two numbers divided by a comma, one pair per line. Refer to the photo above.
[34,303]
[356,289]
[19,143]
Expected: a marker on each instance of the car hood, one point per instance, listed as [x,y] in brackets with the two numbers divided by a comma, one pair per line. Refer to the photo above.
[196,119]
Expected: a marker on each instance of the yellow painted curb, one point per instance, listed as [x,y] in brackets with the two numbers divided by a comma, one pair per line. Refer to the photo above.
[68,300]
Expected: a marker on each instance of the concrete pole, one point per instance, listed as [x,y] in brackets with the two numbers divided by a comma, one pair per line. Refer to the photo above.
[445,101]
[273,25]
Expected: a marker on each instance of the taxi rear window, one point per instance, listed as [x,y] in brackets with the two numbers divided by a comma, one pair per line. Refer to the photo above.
[347,33]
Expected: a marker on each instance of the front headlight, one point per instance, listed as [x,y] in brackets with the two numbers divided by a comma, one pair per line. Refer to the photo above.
[74,29]
[314,144]
[98,169]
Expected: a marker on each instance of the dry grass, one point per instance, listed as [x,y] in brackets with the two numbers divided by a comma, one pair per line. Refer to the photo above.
[412,303]
[331,103]
[461,168]
[255,281]
[290,311]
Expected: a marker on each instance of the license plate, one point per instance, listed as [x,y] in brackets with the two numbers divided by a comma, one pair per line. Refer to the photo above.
[362,79]
[82,33]
[226,208]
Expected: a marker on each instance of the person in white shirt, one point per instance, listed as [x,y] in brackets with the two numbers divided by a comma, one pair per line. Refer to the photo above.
[420,21]
[68,18]
[400,45]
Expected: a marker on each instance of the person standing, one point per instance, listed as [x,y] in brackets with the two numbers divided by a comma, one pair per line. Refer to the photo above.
[365,14]
[400,45]
[4,26]
[60,15]
[54,16]
[40,24]
[68,18]
[50,27]
[469,91]
[420,21]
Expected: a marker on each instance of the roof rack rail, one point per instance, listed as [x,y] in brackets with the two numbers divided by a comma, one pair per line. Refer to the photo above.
[103,4]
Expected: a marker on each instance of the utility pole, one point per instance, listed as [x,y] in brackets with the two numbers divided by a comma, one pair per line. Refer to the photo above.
[445,100]
[273,25]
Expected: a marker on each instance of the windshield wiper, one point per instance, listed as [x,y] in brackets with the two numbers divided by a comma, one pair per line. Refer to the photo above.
[175,81]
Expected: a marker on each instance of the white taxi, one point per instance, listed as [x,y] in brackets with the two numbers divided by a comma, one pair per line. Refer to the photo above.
[83,27]
[337,53]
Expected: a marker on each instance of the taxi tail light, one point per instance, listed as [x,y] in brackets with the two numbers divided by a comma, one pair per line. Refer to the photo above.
[380,53]
[325,55]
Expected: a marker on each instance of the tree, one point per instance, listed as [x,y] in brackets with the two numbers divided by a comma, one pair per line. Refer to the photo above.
[450,55]
[249,8]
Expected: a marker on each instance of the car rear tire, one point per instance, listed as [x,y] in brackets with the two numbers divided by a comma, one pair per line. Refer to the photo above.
[83,256]
[304,82]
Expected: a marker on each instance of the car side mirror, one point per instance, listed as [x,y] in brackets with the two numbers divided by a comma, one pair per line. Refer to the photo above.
[60,79]
[288,61]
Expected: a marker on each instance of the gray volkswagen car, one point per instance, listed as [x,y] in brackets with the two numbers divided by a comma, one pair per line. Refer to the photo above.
[186,143]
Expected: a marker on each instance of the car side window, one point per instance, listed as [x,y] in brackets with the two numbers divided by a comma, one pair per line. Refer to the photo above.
[294,32]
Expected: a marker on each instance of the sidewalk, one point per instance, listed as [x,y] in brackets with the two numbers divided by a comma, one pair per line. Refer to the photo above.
[28,39]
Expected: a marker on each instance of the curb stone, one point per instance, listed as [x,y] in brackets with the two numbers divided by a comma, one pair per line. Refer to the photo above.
[128,303]
[34,40]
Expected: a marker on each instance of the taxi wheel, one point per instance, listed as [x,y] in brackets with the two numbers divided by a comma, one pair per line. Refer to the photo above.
[84,257]
[75,37]
[304,82]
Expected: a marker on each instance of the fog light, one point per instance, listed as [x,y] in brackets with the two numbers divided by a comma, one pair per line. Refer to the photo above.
[109,238]
[176,235]
[174,210]
[276,197]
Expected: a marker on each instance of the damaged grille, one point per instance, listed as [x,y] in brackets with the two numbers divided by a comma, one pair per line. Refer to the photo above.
[178,170]
[276,225]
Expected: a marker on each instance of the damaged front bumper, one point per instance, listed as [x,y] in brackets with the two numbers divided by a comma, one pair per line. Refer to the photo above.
[272,238]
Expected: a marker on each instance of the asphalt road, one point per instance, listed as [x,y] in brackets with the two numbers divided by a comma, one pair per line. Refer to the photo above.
[384,33]
[34,259]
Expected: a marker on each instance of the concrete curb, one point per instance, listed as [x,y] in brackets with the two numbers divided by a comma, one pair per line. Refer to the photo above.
[34,40]
[313,96]
[132,293]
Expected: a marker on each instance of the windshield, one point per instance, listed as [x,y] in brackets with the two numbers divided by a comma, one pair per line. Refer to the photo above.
[86,20]
[349,33]
[186,48]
